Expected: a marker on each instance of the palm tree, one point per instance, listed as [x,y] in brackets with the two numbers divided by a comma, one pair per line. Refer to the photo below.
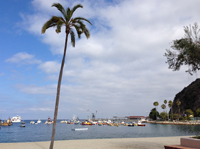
[165,101]
[69,23]
[178,104]
[156,104]
[170,104]
[163,106]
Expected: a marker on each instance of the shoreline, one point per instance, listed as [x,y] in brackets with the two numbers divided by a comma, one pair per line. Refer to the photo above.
[174,122]
[118,143]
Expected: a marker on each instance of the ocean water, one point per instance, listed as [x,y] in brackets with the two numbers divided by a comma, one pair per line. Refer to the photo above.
[42,132]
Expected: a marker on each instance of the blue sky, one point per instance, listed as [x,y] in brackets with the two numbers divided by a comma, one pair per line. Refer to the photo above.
[120,70]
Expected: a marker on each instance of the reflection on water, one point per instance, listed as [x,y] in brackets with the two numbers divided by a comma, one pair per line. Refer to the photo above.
[189,129]
[42,132]
[175,130]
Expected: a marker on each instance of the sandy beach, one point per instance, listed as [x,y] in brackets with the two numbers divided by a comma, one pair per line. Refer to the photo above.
[119,143]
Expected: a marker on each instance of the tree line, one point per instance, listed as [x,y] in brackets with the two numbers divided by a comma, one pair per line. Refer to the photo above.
[154,114]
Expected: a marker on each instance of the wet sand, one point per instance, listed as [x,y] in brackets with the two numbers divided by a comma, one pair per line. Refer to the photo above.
[117,143]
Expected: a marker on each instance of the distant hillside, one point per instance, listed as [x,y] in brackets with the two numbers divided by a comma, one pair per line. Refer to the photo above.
[189,98]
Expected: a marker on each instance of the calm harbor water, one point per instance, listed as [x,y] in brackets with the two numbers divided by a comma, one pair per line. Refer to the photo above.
[42,132]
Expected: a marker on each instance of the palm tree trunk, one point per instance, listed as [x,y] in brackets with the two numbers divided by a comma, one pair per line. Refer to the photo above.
[58,94]
[167,114]
[156,114]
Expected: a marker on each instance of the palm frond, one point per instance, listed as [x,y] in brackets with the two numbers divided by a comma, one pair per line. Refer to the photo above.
[81,25]
[74,9]
[60,8]
[78,30]
[87,33]
[52,22]
[72,37]
[80,18]
[59,25]
[68,14]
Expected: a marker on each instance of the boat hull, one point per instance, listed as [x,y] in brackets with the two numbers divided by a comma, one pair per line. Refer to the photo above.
[16,119]
[141,125]
[79,129]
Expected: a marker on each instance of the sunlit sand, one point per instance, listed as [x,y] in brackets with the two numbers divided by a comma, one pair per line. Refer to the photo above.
[119,143]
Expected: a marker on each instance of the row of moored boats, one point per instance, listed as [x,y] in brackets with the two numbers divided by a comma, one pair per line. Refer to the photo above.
[17,119]
[74,121]
[104,122]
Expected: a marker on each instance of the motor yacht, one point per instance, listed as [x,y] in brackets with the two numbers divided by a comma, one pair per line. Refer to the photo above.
[16,119]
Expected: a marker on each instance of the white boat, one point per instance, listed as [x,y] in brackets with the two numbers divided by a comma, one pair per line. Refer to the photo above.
[79,129]
[16,119]
[140,124]
[22,125]
[49,121]
[32,122]
[39,121]
[63,121]
[76,122]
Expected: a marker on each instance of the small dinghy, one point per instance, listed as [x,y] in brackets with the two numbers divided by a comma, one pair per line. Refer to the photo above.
[130,125]
[22,124]
[79,129]
[140,124]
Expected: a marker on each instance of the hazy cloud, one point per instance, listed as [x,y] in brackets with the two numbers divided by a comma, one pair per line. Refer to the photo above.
[50,67]
[23,58]
[121,68]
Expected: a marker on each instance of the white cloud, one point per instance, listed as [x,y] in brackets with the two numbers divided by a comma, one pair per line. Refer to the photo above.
[34,89]
[23,58]
[50,67]
[45,5]
[121,67]
[40,109]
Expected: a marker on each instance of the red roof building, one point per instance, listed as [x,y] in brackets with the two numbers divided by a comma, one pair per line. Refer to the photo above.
[137,117]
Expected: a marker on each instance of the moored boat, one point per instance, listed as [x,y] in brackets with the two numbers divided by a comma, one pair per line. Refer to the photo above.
[4,123]
[86,123]
[70,122]
[130,125]
[63,121]
[22,124]
[116,124]
[9,122]
[126,124]
[110,124]
[32,122]
[76,122]
[140,124]
[49,121]
[39,121]
[79,129]
[16,119]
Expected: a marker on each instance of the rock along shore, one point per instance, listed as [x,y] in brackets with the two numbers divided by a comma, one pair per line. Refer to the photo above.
[175,122]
